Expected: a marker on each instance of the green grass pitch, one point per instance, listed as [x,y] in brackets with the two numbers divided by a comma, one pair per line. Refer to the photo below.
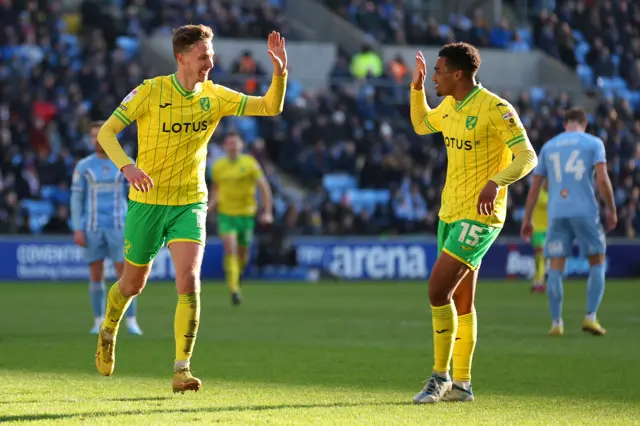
[339,353]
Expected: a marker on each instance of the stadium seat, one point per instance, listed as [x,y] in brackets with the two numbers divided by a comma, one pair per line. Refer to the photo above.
[444,30]
[578,36]
[612,84]
[40,212]
[616,62]
[581,51]
[48,192]
[585,73]
[537,95]
[525,34]
[338,181]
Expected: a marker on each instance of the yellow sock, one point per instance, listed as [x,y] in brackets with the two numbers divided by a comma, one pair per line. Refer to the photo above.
[464,346]
[242,263]
[232,271]
[185,325]
[445,323]
[540,266]
[117,304]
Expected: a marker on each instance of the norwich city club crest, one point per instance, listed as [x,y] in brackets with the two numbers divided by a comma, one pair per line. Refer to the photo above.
[471,122]
[127,246]
[204,104]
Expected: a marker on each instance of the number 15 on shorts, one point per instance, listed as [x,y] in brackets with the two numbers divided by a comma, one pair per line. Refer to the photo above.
[470,234]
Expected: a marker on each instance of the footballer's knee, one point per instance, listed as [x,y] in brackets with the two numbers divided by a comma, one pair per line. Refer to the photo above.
[230,245]
[597,259]
[447,273]
[188,281]
[134,278]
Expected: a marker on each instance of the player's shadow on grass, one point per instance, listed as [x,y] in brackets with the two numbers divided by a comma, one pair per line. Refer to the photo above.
[233,409]
[131,399]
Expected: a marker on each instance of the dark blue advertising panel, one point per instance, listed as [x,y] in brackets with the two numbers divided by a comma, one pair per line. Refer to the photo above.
[58,259]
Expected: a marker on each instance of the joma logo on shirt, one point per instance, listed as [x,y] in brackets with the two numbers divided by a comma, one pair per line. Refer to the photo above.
[199,126]
[458,143]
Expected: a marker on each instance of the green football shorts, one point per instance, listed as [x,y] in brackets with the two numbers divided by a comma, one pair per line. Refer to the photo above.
[538,238]
[149,226]
[240,226]
[466,240]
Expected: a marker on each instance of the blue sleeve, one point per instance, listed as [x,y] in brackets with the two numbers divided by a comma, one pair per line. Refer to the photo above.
[541,168]
[599,156]
[77,204]
[78,191]
[78,181]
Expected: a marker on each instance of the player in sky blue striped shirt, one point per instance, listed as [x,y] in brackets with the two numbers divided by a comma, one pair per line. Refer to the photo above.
[98,208]
[568,162]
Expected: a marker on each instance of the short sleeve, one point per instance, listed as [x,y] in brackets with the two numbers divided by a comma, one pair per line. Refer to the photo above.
[78,180]
[541,168]
[135,104]
[600,156]
[507,123]
[231,102]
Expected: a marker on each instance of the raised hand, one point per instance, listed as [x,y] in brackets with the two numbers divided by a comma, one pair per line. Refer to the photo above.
[277,53]
[420,73]
[137,178]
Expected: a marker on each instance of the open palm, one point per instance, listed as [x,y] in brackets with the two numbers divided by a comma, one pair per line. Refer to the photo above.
[277,52]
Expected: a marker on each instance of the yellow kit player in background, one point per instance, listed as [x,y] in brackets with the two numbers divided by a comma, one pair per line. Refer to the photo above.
[482,132]
[538,239]
[176,115]
[235,179]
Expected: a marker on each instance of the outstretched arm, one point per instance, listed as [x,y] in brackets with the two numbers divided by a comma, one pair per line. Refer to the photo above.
[272,102]
[424,119]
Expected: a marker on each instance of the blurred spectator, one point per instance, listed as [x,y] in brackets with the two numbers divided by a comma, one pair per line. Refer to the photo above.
[59,223]
[367,63]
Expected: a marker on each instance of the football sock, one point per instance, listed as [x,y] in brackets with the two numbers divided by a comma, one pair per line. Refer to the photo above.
[540,266]
[464,346]
[97,295]
[186,324]
[117,303]
[232,271]
[595,288]
[131,311]
[445,322]
[242,263]
[554,293]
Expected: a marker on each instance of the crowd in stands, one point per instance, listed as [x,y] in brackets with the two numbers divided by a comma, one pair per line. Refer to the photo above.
[365,170]
[396,22]
[596,39]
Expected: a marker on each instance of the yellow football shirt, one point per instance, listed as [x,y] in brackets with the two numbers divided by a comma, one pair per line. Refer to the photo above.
[174,127]
[540,218]
[236,182]
[481,133]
